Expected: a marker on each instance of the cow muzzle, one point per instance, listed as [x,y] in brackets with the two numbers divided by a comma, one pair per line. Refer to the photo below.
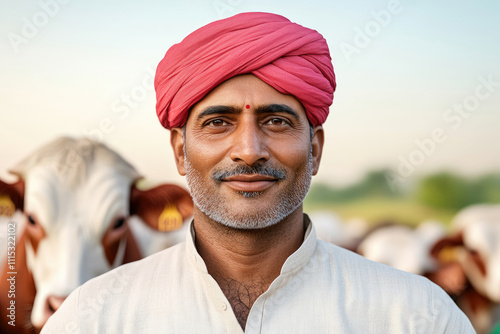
[52,304]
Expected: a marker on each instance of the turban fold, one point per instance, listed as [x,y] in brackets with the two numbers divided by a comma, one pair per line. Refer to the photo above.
[292,59]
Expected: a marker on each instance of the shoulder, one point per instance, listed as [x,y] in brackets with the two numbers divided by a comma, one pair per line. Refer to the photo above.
[385,291]
[363,278]
[357,267]
[106,298]
[143,272]
[373,277]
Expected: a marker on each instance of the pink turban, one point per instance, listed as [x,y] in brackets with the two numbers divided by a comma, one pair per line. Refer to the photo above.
[293,59]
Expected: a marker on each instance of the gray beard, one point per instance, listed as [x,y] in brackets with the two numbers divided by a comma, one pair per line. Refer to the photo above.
[222,212]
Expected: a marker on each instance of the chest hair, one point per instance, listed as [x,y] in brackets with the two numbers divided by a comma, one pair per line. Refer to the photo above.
[241,296]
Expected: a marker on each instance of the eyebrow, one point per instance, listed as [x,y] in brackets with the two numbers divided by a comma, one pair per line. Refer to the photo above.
[277,108]
[219,110]
[264,109]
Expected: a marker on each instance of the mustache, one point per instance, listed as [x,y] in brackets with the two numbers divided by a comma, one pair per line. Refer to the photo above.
[277,173]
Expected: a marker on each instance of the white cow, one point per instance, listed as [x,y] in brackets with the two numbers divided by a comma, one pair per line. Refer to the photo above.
[329,227]
[78,197]
[474,246]
[403,247]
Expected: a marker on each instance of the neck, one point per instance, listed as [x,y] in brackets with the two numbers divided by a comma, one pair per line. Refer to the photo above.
[245,262]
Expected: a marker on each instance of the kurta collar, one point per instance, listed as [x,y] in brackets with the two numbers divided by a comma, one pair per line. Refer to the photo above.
[294,262]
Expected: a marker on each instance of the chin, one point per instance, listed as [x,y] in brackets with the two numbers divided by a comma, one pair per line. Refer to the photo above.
[251,219]
[250,194]
[247,225]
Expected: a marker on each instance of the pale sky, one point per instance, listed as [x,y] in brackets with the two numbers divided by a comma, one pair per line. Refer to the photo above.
[404,70]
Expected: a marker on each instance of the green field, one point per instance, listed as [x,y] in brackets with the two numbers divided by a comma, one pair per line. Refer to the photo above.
[376,210]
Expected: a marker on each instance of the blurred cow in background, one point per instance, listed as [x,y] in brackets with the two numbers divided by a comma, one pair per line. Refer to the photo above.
[471,257]
[78,199]
[329,227]
[465,262]
[403,247]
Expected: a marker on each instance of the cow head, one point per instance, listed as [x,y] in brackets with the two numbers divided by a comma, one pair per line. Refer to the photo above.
[475,247]
[77,197]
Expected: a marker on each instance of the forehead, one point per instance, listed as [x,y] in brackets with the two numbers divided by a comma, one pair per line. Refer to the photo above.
[102,186]
[244,90]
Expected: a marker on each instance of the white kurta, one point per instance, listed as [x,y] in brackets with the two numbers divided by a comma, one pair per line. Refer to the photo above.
[321,289]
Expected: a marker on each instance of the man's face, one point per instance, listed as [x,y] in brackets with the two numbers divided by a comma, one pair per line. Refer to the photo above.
[247,153]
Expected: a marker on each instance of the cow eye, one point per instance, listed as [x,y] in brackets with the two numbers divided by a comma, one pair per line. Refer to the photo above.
[119,223]
[34,230]
[31,220]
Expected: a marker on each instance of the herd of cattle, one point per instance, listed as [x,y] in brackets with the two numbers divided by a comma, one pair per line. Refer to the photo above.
[465,261]
[78,213]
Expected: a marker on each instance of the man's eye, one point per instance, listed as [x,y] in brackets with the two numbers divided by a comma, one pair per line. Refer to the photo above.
[276,121]
[217,122]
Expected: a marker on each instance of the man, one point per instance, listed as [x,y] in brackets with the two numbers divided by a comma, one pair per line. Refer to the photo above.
[245,98]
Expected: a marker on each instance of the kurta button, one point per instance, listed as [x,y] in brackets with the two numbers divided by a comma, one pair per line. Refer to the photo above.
[223,306]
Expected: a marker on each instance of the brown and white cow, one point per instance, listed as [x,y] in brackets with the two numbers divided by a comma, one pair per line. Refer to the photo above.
[471,255]
[78,197]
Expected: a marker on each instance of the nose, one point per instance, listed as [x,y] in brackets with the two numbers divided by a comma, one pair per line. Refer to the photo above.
[249,144]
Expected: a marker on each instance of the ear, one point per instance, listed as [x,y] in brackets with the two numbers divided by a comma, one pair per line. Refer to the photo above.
[11,197]
[162,208]
[450,275]
[444,249]
[177,142]
[318,141]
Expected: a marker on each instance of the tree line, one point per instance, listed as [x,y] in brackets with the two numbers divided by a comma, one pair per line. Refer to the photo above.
[442,190]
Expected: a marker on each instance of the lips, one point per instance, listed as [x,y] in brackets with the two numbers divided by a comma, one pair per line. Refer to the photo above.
[249,182]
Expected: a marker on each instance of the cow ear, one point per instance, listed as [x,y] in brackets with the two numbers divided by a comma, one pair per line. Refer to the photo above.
[444,250]
[450,275]
[11,197]
[162,208]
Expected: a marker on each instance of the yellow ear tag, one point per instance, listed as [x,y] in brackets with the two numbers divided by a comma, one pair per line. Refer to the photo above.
[170,219]
[448,254]
[7,207]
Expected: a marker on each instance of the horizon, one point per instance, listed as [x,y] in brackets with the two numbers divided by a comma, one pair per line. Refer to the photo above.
[418,82]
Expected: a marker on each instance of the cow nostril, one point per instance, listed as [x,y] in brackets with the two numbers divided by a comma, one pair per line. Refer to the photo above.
[54,302]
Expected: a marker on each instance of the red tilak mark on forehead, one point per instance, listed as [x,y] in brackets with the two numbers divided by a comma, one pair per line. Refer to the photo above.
[247,106]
